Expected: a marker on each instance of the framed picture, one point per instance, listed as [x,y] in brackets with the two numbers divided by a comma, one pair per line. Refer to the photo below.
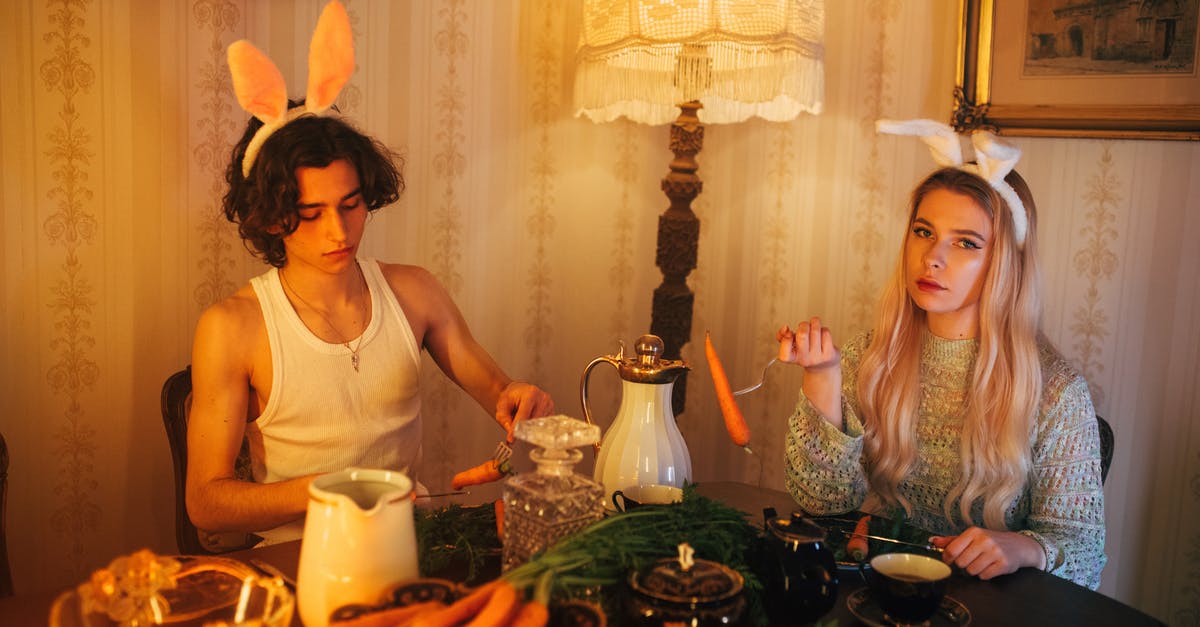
[1065,68]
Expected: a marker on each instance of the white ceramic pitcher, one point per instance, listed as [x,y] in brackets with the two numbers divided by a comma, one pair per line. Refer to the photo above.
[359,541]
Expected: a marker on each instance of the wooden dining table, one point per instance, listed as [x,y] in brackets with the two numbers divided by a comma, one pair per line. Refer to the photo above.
[1026,597]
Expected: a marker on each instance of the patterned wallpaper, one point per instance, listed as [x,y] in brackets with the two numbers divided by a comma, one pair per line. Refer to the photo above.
[118,117]
[70,221]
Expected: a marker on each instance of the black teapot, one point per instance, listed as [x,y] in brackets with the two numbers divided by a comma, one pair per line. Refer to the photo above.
[798,570]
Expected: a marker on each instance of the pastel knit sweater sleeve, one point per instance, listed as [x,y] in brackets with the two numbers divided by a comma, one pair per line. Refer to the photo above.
[1065,492]
[823,469]
[1062,506]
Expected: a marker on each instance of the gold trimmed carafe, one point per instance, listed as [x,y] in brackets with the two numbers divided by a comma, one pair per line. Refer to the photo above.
[643,445]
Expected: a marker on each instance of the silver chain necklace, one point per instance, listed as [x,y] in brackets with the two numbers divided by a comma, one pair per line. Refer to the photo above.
[353,349]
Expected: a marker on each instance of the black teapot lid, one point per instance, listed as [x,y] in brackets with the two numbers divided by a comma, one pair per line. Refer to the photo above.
[687,582]
[798,528]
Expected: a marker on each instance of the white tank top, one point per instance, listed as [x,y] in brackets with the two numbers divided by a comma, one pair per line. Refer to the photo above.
[322,415]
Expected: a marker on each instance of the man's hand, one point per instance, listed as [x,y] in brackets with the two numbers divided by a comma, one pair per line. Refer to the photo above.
[518,401]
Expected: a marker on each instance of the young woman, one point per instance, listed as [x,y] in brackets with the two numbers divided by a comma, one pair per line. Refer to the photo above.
[954,407]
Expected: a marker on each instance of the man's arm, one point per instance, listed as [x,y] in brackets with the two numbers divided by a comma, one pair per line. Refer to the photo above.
[441,329]
[221,396]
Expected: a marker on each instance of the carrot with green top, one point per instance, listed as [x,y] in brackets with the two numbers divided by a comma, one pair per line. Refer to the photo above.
[735,422]
[460,610]
[500,607]
[487,472]
[856,546]
[531,614]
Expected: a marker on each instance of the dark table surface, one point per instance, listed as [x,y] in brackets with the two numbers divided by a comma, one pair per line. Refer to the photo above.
[1027,597]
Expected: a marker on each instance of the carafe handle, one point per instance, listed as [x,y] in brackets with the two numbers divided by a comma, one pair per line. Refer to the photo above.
[583,387]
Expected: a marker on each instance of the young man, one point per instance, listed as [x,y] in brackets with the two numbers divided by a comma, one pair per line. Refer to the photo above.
[316,361]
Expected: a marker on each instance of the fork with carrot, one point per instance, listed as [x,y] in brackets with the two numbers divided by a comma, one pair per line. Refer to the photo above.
[494,469]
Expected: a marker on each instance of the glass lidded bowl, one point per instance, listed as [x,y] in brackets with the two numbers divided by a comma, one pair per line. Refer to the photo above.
[146,589]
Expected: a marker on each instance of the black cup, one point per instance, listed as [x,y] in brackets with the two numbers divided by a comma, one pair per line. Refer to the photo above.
[908,587]
[650,494]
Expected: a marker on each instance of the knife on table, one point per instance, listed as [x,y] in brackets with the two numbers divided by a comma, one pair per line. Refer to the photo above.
[927,547]
[274,571]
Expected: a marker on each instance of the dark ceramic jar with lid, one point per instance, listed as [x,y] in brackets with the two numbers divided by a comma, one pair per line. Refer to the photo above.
[801,582]
[698,593]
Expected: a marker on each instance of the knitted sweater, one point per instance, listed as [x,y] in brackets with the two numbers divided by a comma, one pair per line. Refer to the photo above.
[1062,505]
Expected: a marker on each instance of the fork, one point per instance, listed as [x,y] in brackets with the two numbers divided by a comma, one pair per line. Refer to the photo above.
[762,379]
[502,453]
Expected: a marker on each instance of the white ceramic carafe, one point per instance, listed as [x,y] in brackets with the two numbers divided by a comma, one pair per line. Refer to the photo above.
[359,541]
[643,444]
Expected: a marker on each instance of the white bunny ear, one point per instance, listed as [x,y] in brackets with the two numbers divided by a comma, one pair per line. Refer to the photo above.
[995,160]
[943,142]
[257,83]
[330,57]
[995,157]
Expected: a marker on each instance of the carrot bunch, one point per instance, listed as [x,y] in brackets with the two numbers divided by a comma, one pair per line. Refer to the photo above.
[494,604]
[735,422]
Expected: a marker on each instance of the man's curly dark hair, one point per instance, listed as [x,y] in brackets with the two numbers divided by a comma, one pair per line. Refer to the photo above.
[263,205]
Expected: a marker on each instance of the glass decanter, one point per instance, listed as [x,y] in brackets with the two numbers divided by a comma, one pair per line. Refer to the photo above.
[554,501]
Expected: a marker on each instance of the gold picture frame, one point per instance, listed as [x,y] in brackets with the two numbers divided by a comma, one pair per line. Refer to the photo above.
[995,91]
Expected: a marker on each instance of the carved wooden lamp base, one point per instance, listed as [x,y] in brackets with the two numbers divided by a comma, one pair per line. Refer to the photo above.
[678,241]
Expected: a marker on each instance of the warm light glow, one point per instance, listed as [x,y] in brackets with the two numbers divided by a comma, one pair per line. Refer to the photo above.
[740,58]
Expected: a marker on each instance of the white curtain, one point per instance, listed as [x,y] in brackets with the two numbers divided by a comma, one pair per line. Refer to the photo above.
[116,118]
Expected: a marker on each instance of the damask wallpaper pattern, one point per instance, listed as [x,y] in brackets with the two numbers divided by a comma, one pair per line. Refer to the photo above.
[542,66]
[68,78]
[116,119]
[218,125]
[1096,262]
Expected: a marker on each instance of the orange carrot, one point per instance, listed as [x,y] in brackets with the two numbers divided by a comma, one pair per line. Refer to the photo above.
[461,609]
[735,423]
[499,507]
[487,472]
[856,546]
[499,608]
[531,614]
[392,616]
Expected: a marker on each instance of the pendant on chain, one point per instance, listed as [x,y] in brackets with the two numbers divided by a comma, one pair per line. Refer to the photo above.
[354,361]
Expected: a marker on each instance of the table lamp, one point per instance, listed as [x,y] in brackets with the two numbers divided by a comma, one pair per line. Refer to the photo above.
[695,62]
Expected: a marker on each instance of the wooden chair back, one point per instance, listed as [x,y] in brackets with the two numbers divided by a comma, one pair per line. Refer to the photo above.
[1107,442]
[176,402]
[6,584]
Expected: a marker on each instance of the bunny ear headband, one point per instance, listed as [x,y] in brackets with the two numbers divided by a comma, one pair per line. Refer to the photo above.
[259,84]
[994,159]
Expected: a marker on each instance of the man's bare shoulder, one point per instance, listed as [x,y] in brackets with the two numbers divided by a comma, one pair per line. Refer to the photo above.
[402,274]
[238,315]
[425,302]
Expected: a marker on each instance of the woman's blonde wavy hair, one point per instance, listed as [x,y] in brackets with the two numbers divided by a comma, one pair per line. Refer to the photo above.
[1006,384]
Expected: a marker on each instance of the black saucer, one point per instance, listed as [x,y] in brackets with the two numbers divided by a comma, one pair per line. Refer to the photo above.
[863,606]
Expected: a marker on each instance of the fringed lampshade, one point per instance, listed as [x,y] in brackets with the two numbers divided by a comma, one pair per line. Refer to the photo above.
[689,63]
[740,58]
